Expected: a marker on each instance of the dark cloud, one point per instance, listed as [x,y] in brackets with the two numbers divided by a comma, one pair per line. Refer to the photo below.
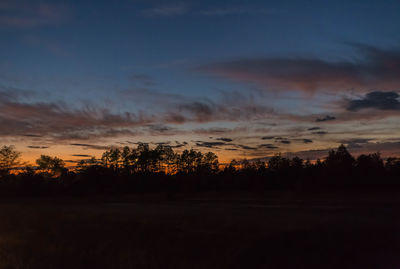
[81,155]
[32,135]
[326,118]
[320,133]
[216,130]
[224,139]
[377,100]
[314,128]
[307,141]
[268,146]
[178,146]
[38,147]
[209,144]
[90,146]
[279,138]
[267,137]
[375,68]
[285,141]
[160,128]
[246,147]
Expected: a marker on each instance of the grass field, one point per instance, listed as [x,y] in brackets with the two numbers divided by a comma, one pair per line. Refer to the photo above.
[206,232]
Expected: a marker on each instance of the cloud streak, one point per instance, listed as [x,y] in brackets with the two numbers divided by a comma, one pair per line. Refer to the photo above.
[375,68]
[29,14]
[169,10]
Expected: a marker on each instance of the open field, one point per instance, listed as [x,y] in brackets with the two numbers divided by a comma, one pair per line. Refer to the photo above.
[208,231]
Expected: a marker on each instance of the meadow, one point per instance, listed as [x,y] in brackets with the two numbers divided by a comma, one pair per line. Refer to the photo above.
[209,230]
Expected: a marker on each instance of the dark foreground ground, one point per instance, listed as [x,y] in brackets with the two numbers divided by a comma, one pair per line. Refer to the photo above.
[272,230]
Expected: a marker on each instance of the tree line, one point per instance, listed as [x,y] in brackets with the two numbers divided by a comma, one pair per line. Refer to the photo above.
[145,169]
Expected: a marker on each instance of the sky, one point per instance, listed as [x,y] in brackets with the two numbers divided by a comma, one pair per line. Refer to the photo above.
[244,79]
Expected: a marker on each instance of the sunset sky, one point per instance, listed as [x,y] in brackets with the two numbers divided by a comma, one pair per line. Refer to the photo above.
[244,79]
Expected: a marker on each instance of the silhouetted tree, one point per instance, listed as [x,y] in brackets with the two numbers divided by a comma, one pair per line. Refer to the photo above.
[9,159]
[339,160]
[278,163]
[111,158]
[393,167]
[371,163]
[126,169]
[52,166]
[209,163]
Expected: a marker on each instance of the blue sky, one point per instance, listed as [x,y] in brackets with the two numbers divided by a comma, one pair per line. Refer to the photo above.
[250,68]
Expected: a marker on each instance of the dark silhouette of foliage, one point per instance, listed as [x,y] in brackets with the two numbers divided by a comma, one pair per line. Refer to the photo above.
[144,169]
[9,159]
[51,166]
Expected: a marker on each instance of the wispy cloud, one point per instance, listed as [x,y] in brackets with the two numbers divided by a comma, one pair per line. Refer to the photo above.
[236,10]
[59,121]
[27,14]
[326,118]
[166,10]
[375,68]
[38,147]
[90,146]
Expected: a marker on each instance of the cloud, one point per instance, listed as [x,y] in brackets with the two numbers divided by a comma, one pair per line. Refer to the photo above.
[143,79]
[81,155]
[218,130]
[320,133]
[245,147]
[9,94]
[38,147]
[355,142]
[307,141]
[268,146]
[326,118]
[178,109]
[90,146]
[387,149]
[160,129]
[219,11]
[376,100]
[28,14]
[179,145]
[375,68]
[314,128]
[32,135]
[224,11]
[169,10]
[224,139]
[60,121]
[267,137]
[209,144]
